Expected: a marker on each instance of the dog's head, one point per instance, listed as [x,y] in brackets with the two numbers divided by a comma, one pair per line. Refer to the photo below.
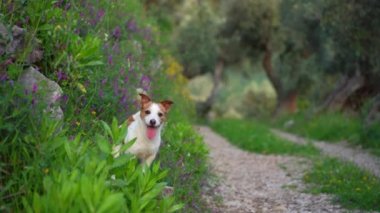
[153,114]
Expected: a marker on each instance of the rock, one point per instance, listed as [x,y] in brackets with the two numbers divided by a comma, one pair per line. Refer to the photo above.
[13,42]
[17,42]
[18,32]
[35,56]
[48,92]
[3,31]
[3,38]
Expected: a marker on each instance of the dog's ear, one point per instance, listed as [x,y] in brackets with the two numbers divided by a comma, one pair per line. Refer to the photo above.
[144,99]
[166,104]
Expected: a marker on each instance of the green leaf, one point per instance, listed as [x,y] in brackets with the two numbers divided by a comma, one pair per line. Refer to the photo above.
[126,146]
[112,203]
[121,160]
[69,152]
[176,208]
[107,128]
[103,144]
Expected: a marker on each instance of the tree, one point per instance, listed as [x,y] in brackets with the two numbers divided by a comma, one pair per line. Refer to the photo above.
[353,26]
[199,51]
[284,35]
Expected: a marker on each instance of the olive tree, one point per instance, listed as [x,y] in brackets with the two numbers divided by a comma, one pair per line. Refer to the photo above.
[284,36]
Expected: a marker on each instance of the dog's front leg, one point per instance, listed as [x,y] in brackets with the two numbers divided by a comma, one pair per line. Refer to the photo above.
[148,161]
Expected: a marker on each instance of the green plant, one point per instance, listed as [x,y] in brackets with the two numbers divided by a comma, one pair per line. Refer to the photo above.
[332,127]
[185,156]
[353,187]
[255,137]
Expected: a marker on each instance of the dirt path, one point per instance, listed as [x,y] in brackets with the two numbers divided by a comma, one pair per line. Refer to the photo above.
[259,183]
[340,150]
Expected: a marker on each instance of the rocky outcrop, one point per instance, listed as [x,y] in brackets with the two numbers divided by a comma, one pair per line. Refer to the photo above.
[48,92]
[13,42]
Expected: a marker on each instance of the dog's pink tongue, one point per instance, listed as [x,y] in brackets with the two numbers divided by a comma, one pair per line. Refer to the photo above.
[151,133]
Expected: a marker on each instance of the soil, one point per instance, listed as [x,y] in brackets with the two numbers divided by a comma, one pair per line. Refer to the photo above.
[249,182]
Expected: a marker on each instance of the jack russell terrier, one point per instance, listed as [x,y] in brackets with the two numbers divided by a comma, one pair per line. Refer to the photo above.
[146,126]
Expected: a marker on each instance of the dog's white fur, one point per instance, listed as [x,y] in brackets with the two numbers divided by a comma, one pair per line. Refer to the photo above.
[144,148]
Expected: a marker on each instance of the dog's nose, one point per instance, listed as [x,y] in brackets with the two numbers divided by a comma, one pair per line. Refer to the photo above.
[152,122]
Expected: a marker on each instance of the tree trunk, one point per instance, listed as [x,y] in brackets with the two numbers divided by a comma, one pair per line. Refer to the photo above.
[286,103]
[267,64]
[374,112]
[204,107]
[286,100]
[346,87]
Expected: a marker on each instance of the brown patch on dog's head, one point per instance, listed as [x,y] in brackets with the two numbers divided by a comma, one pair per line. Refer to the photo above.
[164,109]
[145,103]
[166,104]
[145,100]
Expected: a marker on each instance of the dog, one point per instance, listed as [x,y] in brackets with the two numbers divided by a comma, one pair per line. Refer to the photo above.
[146,126]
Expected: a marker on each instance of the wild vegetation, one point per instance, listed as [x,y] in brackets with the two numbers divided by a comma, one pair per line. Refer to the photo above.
[68,79]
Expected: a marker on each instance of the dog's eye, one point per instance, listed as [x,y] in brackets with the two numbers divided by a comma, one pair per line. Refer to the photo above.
[147,112]
[160,114]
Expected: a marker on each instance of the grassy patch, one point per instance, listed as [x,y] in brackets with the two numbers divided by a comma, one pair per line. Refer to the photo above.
[353,187]
[333,127]
[256,137]
[330,126]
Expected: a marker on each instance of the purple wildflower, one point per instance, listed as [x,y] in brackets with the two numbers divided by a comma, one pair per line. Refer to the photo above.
[110,60]
[116,87]
[116,32]
[61,75]
[101,94]
[104,81]
[34,88]
[145,82]
[8,62]
[131,25]
[67,6]
[3,76]
[100,14]
[64,99]
[123,99]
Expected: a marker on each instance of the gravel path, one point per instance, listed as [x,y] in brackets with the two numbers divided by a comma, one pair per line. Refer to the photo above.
[340,150]
[259,183]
